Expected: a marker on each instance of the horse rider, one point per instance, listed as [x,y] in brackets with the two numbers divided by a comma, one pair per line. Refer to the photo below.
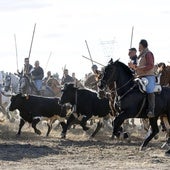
[37,75]
[133,59]
[27,68]
[66,78]
[74,77]
[1,79]
[133,56]
[145,68]
[48,77]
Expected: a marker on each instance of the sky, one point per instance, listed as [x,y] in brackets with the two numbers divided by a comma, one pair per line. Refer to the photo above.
[63,26]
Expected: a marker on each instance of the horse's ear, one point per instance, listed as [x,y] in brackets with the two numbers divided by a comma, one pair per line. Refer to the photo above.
[111,61]
[117,60]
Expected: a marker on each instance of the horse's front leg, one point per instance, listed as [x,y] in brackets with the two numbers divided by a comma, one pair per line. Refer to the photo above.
[154,131]
[118,121]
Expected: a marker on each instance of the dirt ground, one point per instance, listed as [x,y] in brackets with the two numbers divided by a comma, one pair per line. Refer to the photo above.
[78,152]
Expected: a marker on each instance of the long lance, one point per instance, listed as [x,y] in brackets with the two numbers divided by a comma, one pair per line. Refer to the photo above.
[92,60]
[89,52]
[131,37]
[32,40]
[48,60]
[63,68]
[16,50]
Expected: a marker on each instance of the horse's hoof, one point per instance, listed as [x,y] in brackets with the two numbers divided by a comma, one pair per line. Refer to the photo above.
[142,148]
[38,132]
[156,137]
[63,135]
[18,135]
[86,128]
[125,135]
[112,137]
[167,153]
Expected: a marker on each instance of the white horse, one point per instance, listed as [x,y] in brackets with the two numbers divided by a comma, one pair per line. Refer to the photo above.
[10,85]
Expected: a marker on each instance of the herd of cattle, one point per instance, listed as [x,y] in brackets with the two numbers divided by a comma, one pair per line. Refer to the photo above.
[74,106]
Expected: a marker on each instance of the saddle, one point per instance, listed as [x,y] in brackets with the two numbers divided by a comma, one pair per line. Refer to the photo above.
[142,82]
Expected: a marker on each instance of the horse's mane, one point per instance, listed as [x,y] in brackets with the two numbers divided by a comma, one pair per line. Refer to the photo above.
[124,66]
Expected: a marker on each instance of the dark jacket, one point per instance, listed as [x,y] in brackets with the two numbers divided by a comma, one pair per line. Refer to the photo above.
[37,73]
[67,79]
[134,59]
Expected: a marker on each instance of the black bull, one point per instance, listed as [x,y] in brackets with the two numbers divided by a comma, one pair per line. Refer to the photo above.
[32,108]
[85,105]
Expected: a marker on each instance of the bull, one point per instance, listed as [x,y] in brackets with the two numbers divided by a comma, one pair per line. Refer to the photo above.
[85,105]
[33,108]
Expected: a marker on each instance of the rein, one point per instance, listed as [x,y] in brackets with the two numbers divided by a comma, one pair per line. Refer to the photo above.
[124,84]
[116,89]
[120,97]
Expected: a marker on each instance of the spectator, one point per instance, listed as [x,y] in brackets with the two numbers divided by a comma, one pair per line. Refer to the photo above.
[49,76]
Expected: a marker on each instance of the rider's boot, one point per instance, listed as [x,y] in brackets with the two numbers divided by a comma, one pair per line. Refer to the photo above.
[151,102]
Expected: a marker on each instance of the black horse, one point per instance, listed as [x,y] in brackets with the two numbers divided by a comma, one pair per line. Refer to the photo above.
[130,101]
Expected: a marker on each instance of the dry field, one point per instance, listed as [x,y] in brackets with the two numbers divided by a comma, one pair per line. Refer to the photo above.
[78,152]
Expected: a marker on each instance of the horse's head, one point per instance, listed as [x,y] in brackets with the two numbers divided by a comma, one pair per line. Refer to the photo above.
[115,72]
[55,86]
[161,67]
[7,83]
[24,85]
[108,75]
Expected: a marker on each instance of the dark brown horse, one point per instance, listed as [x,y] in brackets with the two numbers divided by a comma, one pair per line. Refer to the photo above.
[55,86]
[91,82]
[165,74]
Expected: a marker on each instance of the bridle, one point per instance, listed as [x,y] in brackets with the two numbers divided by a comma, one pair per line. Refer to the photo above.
[115,89]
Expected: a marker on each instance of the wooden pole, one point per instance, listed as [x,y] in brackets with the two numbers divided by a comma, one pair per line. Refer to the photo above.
[131,37]
[32,40]
[16,50]
[92,60]
[89,52]
[48,60]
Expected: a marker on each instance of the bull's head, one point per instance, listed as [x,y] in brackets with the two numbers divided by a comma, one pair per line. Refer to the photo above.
[16,101]
[68,94]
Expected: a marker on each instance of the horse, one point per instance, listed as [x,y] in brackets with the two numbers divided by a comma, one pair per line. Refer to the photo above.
[54,84]
[130,102]
[10,85]
[164,72]
[27,86]
[91,82]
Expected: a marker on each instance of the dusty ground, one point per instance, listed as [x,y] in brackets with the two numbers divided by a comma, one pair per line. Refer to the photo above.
[77,152]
